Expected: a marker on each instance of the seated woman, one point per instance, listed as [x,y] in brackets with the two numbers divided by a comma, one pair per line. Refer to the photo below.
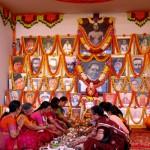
[57,106]
[39,117]
[52,119]
[29,137]
[9,130]
[113,115]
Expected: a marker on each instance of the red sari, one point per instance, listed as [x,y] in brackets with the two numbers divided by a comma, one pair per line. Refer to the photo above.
[7,123]
[118,139]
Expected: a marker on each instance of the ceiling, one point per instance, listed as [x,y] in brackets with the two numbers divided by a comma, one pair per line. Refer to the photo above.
[42,6]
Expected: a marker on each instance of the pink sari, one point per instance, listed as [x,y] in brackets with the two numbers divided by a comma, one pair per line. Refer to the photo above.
[44,135]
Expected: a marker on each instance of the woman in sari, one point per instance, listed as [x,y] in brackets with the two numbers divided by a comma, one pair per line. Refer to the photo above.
[29,137]
[9,130]
[52,119]
[40,118]
[118,139]
[58,111]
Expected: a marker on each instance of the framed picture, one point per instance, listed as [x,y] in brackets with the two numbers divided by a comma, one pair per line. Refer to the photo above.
[53,62]
[35,64]
[30,97]
[75,100]
[117,64]
[135,84]
[137,62]
[59,94]
[76,113]
[67,84]
[30,43]
[44,96]
[142,99]
[67,44]
[125,98]
[144,41]
[17,63]
[36,83]
[123,43]
[70,63]
[136,115]
[53,83]
[19,81]
[96,27]
[48,43]
[17,46]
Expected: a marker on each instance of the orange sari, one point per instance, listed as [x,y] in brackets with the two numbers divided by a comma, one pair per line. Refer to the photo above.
[7,123]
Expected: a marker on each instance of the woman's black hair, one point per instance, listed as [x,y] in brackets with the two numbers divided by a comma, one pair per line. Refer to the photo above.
[97,110]
[106,106]
[116,111]
[44,105]
[107,134]
[54,103]
[64,99]
[13,106]
[26,106]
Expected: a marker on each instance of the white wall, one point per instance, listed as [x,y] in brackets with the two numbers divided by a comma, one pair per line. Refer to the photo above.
[5,51]
[69,25]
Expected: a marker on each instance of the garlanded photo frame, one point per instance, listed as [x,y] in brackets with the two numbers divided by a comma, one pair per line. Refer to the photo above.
[126,99]
[119,65]
[110,97]
[17,63]
[44,96]
[18,81]
[75,99]
[48,44]
[123,44]
[68,44]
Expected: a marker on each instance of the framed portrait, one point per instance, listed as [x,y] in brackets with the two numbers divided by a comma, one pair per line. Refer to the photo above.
[143,99]
[30,43]
[147,81]
[96,27]
[117,64]
[67,44]
[48,43]
[19,81]
[136,115]
[44,96]
[66,111]
[110,97]
[93,69]
[13,95]
[144,41]
[137,62]
[123,43]
[67,84]
[75,100]
[53,63]
[36,83]
[76,113]
[30,97]
[125,98]
[135,84]
[17,64]
[118,84]
[53,83]
[17,46]
[70,63]
[35,64]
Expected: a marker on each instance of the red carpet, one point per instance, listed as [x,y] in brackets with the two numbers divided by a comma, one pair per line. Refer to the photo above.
[140,139]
